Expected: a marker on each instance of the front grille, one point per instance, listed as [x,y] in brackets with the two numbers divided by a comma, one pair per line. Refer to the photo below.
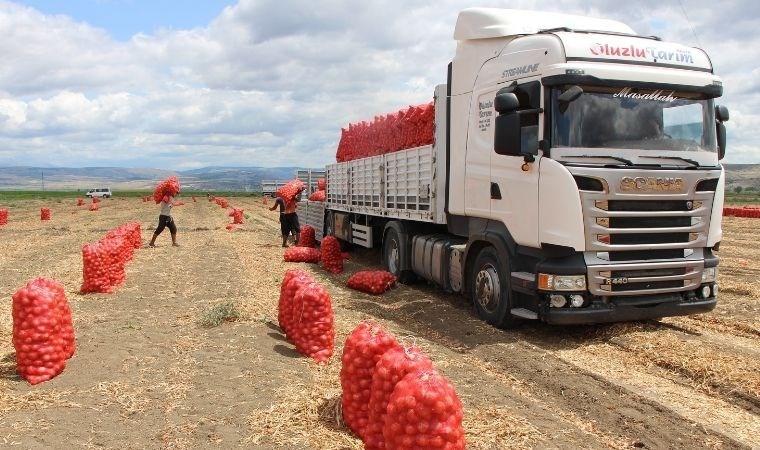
[648,238]
[645,242]
[644,277]
[645,255]
[649,222]
[645,286]
[647,205]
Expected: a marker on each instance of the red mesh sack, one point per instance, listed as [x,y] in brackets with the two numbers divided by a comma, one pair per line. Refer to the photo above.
[361,352]
[95,269]
[43,332]
[312,328]
[321,185]
[424,413]
[290,191]
[317,196]
[95,200]
[167,188]
[291,282]
[332,260]
[80,202]
[237,215]
[372,281]
[302,254]
[3,216]
[307,238]
[44,213]
[93,206]
[264,201]
[392,367]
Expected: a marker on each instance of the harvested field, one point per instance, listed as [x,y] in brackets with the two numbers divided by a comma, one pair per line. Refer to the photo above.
[154,370]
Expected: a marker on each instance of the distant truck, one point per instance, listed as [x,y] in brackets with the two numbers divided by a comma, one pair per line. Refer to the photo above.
[99,192]
[574,176]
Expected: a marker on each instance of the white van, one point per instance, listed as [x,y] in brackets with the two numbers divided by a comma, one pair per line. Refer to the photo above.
[100,192]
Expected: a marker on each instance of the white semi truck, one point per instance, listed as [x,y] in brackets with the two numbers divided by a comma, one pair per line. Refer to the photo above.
[574,176]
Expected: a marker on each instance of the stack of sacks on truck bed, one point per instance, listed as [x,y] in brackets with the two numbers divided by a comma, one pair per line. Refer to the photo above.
[408,128]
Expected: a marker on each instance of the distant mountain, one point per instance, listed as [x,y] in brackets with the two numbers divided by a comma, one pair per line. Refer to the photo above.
[744,175]
[213,178]
[204,179]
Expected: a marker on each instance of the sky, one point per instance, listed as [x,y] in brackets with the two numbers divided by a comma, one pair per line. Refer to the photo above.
[188,84]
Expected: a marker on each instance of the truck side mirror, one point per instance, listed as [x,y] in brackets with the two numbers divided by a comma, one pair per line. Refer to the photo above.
[505,103]
[721,114]
[721,131]
[570,95]
[506,138]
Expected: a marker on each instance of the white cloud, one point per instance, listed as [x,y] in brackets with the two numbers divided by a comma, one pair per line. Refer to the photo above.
[267,85]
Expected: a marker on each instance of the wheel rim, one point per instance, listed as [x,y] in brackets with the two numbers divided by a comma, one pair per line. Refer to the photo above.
[393,256]
[488,288]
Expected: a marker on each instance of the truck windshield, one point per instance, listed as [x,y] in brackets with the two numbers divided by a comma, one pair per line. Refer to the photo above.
[631,118]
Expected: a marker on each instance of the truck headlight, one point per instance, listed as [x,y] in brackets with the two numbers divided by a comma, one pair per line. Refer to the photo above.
[549,282]
[709,274]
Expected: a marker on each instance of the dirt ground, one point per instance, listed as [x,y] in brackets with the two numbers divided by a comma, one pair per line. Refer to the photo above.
[147,375]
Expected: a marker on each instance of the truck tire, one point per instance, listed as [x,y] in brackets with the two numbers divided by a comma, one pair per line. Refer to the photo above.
[490,290]
[392,257]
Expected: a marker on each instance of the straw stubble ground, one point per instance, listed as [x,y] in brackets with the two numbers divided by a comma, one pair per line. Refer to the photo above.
[146,375]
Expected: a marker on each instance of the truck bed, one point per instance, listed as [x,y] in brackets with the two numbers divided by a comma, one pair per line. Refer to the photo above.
[406,184]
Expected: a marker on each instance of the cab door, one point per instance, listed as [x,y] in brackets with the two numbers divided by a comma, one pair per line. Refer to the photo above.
[514,182]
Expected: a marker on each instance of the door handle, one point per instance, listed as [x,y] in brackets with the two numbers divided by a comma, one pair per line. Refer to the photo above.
[495,191]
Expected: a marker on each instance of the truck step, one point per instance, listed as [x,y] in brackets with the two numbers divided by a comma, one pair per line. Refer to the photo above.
[524,313]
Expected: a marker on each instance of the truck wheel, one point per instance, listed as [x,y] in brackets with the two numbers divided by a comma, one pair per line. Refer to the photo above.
[392,257]
[490,289]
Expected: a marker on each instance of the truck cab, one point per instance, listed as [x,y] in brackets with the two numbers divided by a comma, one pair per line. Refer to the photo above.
[586,158]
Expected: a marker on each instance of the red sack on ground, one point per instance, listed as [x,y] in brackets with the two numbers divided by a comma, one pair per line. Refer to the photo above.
[291,282]
[237,215]
[3,216]
[194,200]
[312,328]
[290,191]
[361,352]
[80,202]
[166,188]
[93,206]
[95,200]
[307,238]
[423,413]
[44,213]
[392,367]
[43,332]
[332,260]
[264,201]
[302,254]
[317,196]
[321,185]
[372,281]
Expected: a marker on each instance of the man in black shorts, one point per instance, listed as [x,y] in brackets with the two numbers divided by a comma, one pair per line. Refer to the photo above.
[288,219]
[165,220]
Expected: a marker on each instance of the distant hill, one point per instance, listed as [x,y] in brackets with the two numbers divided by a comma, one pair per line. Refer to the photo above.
[205,179]
[744,175]
[215,178]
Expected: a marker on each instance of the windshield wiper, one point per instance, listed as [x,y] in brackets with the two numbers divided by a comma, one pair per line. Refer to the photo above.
[687,160]
[627,162]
